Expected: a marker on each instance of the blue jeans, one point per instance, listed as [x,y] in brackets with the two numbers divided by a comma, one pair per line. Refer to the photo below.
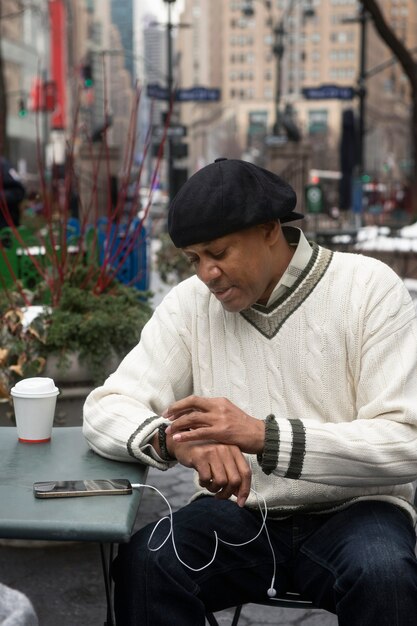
[358,563]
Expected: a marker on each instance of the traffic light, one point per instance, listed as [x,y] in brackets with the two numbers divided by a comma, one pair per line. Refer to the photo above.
[314,198]
[22,108]
[179,150]
[87,74]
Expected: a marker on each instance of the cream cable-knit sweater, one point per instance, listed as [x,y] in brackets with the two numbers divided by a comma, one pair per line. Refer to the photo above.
[335,360]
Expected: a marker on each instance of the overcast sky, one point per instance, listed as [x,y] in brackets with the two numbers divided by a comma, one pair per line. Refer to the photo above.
[158,8]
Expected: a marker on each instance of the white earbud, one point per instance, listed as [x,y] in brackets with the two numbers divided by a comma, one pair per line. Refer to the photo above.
[271,593]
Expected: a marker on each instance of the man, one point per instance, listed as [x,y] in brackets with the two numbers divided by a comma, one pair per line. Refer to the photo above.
[282,373]
[12,193]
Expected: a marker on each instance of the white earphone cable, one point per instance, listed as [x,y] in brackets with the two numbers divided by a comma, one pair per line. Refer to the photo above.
[263,511]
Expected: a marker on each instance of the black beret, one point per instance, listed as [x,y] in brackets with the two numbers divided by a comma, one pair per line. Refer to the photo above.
[226,196]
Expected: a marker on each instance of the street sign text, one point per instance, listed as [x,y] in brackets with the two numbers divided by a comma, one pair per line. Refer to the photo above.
[329,92]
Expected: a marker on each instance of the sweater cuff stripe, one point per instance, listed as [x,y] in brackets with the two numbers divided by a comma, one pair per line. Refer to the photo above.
[298,449]
[134,435]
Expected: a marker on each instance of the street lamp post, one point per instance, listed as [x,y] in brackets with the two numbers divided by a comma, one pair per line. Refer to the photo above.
[362,91]
[170,140]
[278,50]
[170,81]
[362,19]
[357,203]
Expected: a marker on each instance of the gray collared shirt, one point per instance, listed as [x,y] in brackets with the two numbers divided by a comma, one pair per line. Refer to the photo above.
[301,257]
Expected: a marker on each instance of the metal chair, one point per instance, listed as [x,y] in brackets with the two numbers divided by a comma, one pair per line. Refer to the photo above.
[288,600]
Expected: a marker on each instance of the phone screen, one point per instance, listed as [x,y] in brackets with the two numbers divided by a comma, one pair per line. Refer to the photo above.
[72,488]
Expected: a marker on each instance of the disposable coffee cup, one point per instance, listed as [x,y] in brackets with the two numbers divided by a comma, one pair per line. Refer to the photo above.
[34,401]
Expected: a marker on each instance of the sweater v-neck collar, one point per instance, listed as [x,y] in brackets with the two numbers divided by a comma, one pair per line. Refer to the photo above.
[269,319]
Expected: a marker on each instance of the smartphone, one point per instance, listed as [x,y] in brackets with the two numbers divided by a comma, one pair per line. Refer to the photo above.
[73,488]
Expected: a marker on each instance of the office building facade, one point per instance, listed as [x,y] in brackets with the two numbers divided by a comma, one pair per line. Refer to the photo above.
[248,47]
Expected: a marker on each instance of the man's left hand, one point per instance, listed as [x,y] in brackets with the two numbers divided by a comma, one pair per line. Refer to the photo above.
[215,419]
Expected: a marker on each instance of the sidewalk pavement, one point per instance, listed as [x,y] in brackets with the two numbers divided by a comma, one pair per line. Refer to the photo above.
[65,584]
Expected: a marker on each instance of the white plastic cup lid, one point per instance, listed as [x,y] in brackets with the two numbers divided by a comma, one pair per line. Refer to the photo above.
[32,387]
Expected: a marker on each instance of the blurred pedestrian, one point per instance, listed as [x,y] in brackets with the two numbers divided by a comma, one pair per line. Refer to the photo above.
[12,193]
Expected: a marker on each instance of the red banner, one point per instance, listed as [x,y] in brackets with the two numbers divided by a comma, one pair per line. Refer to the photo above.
[57,16]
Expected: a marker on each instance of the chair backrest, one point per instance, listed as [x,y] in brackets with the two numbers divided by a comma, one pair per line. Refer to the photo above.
[288,600]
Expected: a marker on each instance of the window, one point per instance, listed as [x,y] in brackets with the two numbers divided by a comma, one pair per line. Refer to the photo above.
[257,125]
[342,73]
[342,36]
[317,121]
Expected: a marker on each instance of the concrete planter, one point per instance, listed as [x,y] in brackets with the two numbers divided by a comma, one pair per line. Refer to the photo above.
[74,384]
[77,373]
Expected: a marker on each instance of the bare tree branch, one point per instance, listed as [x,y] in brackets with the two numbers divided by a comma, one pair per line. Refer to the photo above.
[395,44]
[409,65]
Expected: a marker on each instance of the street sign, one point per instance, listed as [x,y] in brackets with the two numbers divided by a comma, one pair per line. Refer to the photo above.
[202,94]
[157,92]
[172,131]
[329,92]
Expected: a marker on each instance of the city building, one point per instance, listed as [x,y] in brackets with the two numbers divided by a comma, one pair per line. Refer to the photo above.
[272,81]
[102,102]
[122,17]
[152,69]
[315,52]
[65,81]
[24,58]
